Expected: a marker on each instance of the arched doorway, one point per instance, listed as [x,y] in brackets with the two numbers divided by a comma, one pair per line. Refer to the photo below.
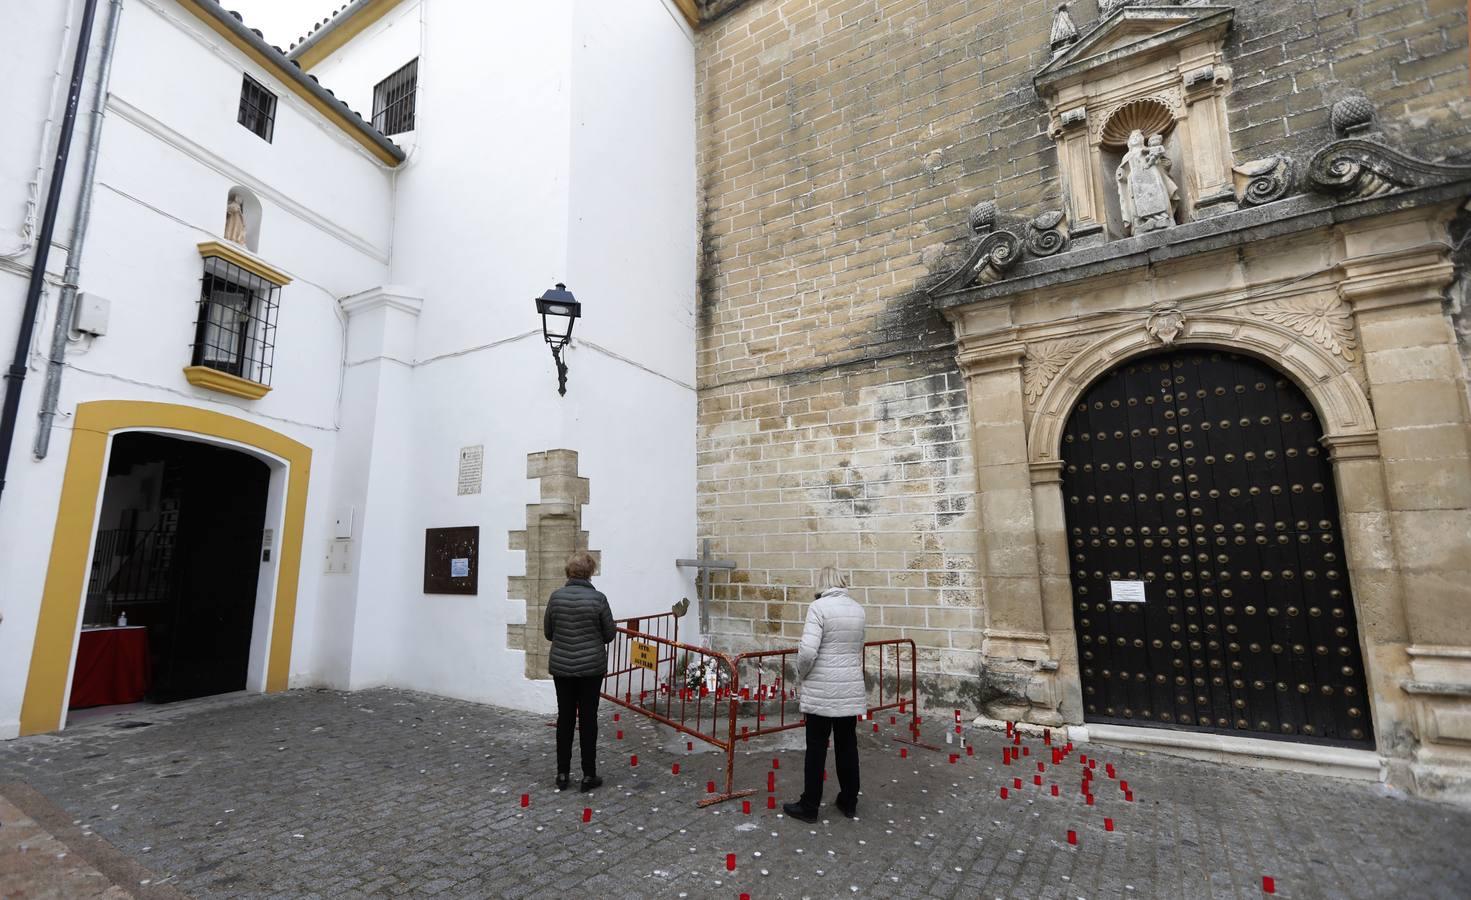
[1210,588]
[171,592]
[95,426]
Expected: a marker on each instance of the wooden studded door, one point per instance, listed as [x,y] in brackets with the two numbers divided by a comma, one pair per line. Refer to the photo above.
[1200,475]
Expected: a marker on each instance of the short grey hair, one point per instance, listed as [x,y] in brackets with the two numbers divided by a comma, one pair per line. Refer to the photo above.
[830,578]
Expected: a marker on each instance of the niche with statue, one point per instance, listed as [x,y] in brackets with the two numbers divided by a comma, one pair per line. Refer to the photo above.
[1138,111]
[242,218]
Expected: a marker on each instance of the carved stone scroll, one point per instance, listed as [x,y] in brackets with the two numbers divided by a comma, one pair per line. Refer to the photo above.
[1263,180]
[1047,234]
[989,261]
[1358,169]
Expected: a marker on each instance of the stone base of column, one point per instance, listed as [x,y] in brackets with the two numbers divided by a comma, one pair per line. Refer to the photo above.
[1440,691]
[1019,680]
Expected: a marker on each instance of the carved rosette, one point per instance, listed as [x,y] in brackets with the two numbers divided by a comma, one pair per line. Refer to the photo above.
[1165,323]
[1324,320]
[1043,362]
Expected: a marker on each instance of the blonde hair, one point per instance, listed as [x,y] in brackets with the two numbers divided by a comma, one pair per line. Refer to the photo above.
[830,578]
[581,565]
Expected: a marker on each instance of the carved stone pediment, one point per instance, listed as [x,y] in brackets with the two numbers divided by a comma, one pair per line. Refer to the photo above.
[1122,39]
[1156,69]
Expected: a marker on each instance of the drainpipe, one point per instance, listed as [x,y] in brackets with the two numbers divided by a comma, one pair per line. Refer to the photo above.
[66,305]
[15,376]
[27,230]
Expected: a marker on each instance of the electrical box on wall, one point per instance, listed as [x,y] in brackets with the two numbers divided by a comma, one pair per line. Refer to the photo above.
[342,526]
[91,314]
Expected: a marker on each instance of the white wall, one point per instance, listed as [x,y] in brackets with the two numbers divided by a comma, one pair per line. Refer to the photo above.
[171,150]
[555,141]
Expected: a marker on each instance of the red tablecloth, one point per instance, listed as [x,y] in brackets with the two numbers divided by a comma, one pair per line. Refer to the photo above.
[112,667]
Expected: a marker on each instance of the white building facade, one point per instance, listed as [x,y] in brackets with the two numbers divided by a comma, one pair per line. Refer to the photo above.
[392,342]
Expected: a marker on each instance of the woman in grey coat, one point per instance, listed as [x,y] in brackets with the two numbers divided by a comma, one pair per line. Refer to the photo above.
[579,623]
[830,664]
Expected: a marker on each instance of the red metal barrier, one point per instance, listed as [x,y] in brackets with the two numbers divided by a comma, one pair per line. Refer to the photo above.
[721,699]
[688,688]
[773,706]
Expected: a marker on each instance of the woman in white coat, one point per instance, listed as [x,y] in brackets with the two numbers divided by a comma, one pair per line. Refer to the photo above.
[830,664]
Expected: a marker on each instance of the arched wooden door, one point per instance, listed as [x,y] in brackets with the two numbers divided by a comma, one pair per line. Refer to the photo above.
[1209,582]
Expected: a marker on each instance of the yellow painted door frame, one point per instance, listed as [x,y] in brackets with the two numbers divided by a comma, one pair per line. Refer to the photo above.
[66,572]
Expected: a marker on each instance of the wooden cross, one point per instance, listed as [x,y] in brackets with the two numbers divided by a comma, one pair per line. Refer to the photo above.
[705,565]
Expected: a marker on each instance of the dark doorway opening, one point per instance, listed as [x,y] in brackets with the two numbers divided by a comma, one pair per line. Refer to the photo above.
[177,559]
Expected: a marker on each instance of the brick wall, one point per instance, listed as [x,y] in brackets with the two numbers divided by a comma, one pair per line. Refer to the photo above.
[841,143]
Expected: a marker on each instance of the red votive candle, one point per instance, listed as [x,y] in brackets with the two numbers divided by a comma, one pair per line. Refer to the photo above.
[730,862]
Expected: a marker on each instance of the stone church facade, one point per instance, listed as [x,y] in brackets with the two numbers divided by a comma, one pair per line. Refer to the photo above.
[1117,352]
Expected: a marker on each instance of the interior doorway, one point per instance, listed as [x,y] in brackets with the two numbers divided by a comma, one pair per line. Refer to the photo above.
[171,596]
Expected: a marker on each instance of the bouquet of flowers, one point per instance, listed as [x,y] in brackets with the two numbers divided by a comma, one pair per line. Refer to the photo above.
[707,673]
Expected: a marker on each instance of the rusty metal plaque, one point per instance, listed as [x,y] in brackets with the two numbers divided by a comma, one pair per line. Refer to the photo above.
[452,560]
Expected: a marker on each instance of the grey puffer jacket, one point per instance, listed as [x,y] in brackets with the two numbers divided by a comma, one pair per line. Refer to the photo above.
[579,623]
[830,657]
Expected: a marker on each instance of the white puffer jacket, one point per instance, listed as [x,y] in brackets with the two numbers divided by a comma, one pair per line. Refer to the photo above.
[830,658]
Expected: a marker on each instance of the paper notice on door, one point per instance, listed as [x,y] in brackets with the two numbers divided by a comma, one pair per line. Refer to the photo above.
[1127,591]
[459,568]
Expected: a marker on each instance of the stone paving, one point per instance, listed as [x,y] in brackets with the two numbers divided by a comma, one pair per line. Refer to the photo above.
[390,793]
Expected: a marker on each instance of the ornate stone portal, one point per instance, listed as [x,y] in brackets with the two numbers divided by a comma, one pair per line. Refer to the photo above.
[1338,289]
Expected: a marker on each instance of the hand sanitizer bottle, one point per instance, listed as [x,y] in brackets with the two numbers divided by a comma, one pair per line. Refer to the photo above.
[122,620]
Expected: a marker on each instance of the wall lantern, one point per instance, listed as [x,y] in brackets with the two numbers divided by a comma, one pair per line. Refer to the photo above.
[563,310]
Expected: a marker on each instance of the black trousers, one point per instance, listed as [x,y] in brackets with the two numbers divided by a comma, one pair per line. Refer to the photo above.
[845,753]
[577,706]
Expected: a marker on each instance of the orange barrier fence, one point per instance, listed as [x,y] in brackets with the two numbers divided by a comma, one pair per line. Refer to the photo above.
[722,699]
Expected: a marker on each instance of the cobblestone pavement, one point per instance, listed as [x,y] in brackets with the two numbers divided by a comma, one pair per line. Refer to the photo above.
[390,793]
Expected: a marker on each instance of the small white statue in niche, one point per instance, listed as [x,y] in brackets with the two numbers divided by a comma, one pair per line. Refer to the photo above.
[1147,193]
[235,221]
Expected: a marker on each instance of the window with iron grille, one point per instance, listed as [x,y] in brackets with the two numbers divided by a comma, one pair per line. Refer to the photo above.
[257,108]
[393,100]
[235,331]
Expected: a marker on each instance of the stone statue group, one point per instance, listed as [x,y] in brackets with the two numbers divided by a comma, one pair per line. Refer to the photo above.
[1147,193]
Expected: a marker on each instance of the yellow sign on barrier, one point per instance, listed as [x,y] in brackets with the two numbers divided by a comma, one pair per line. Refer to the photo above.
[645,656]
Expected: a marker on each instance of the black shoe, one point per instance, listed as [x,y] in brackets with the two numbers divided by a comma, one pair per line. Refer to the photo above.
[848,809]
[589,782]
[799,812]
[562,780]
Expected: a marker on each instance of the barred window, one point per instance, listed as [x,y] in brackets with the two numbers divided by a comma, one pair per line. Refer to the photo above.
[235,331]
[257,108]
[393,100]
